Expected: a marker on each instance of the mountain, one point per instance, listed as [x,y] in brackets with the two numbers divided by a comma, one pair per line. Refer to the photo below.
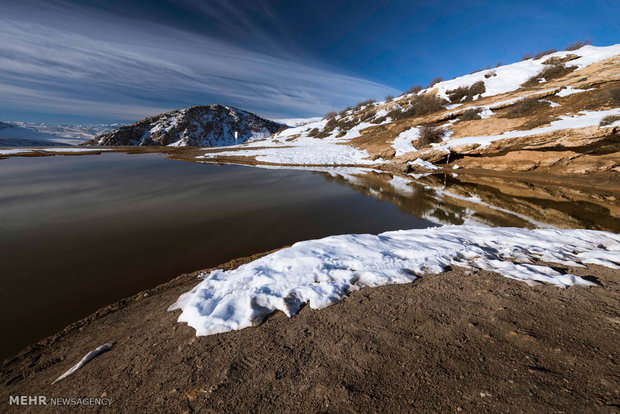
[23,134]
[555,114]
[201,126]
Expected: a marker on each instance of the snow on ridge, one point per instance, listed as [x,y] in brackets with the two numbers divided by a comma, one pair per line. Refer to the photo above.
[581,120]
[508,78]
[295,122]
[322,272]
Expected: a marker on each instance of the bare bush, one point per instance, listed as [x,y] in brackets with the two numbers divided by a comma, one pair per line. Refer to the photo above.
[556,60]
[389,98]
[609,119]
[364,103]
[330,115]
[499,64]
[414,89]
[578,45]
[419,105]
[428,135]
[470,115]
[549,72]
[527,56]
[434,82]
[490,74]
[540,55]
[524,107]
[466,93]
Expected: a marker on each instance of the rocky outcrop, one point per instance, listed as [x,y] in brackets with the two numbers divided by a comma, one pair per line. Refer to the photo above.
[200,126]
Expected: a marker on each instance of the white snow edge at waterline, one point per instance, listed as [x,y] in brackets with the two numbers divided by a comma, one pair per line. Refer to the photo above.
[322,272]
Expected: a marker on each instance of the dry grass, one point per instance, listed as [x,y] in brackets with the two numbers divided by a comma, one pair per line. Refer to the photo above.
[613,95]
[524,107]
[466,93]
[548,73]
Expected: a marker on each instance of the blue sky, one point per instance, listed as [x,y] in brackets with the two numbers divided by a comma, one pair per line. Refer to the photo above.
[64,61]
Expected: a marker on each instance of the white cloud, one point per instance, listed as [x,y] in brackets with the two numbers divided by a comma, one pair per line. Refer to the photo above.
[129,71]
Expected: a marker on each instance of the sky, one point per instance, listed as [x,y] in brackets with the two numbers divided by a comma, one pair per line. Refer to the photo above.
[95,61]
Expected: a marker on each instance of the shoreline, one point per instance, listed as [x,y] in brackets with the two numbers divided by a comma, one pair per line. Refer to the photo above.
[454,332]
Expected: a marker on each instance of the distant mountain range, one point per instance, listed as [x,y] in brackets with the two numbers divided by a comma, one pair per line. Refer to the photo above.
[20,134]
[203,126]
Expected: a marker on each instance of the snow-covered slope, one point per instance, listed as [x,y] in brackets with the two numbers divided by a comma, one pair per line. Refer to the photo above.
[508,78]
[202,126]
[14,134]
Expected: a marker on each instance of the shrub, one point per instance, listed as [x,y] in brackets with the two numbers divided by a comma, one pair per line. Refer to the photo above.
[344,111]
[313,132]
[556,60]
[330,115]
[470,115]
[499,64]
[428,135]
[434,82]
[389,98]
[364,103]
[526,56]
[578,45]
[368,115]
[414,89]
[545,53]
[609,119]
[466,93]
[524,107]
[549,72]
[490,74]
[419,105]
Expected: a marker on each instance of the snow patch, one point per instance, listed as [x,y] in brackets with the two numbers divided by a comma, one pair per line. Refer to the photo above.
[569,90]
[322,272]
[403,143]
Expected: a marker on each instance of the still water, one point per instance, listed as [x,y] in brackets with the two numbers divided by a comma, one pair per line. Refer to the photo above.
[80,232]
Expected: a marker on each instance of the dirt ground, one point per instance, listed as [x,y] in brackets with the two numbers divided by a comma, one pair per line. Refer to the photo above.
[456,341]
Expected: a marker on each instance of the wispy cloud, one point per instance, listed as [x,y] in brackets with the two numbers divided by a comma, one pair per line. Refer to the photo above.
[113,68]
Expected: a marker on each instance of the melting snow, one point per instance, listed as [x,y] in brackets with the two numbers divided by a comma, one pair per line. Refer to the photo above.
[569,90]
[425,164]
[403,142]
[322,272]
[581,120]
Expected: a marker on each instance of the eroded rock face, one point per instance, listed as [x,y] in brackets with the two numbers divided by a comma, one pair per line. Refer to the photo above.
[202,126]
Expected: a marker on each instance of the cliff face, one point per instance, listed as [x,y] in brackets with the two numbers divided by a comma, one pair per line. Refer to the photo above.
[201,126]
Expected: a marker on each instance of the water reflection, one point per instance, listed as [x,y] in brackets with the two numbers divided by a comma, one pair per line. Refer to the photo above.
[460,199]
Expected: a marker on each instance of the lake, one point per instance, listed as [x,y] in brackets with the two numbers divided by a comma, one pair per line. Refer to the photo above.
[80,232]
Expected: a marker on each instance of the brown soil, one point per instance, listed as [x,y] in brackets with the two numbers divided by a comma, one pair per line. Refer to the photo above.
[448,342]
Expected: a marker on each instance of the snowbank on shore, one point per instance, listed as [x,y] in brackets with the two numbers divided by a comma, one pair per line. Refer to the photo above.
[322,272]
